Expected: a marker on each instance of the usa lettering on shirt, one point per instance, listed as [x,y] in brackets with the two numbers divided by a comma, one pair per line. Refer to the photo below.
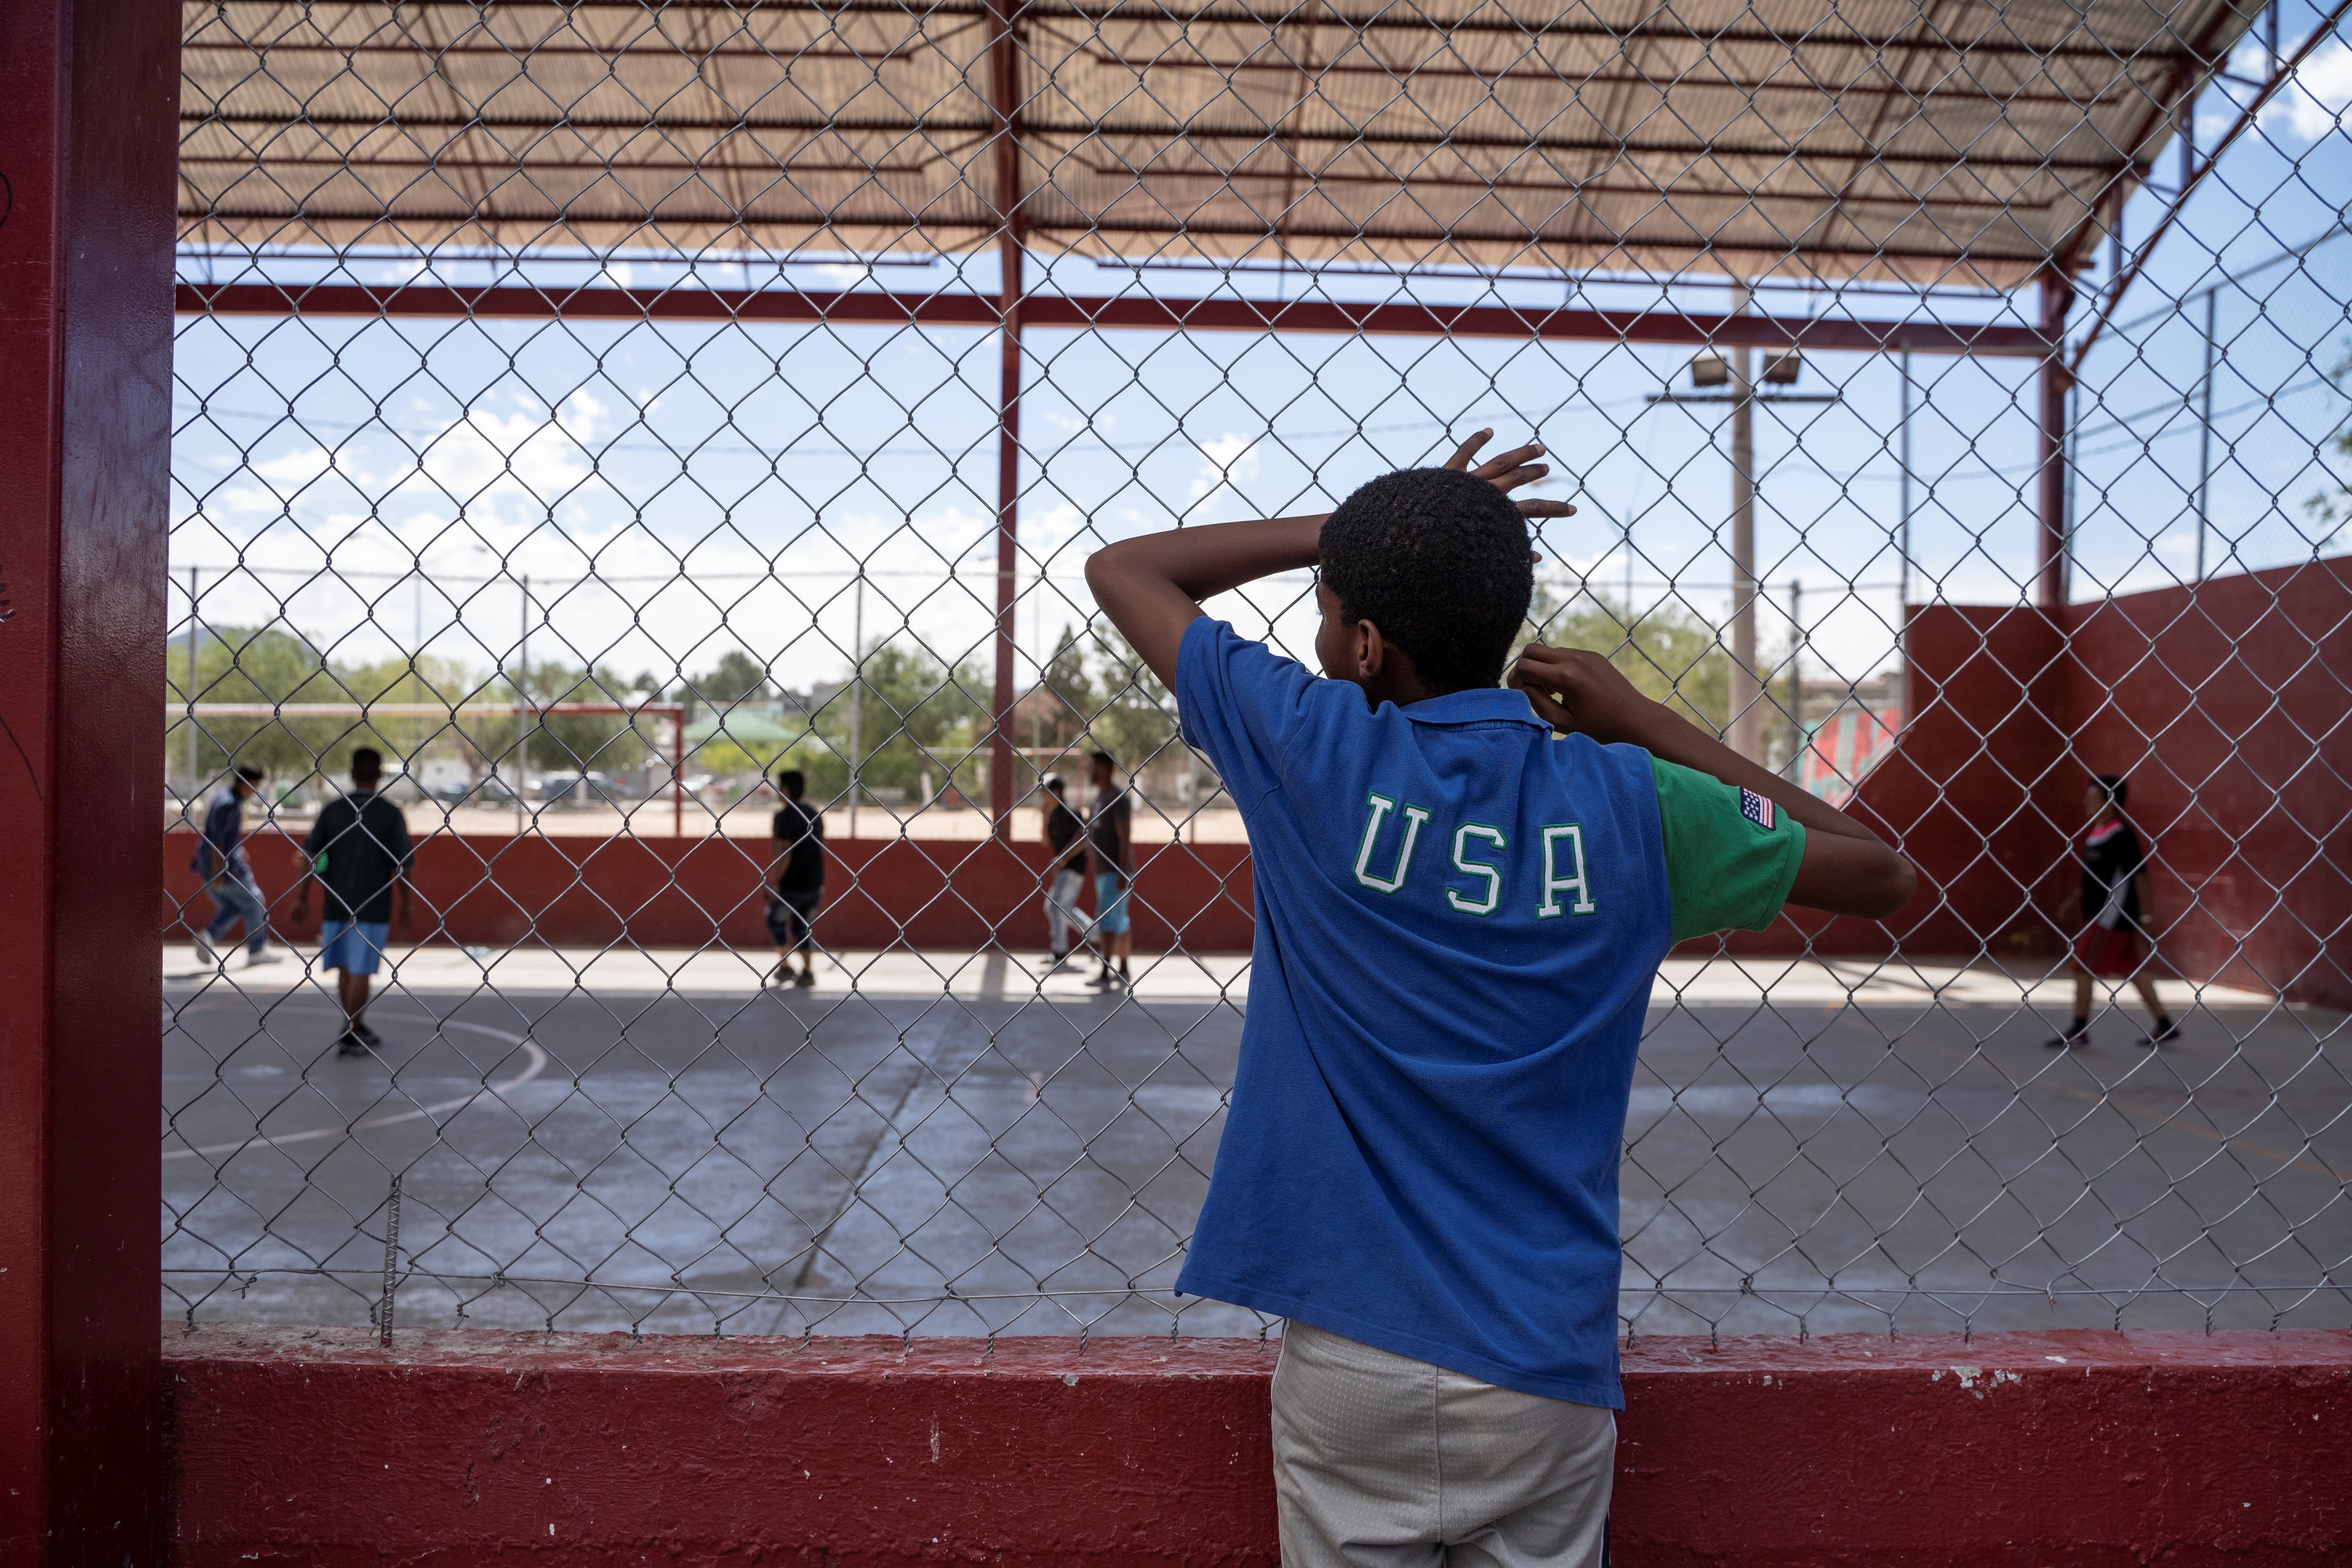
[1562,853]
[1756,808]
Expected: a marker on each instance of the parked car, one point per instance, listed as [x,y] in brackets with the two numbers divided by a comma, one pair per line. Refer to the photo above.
[585,788]
[490,791]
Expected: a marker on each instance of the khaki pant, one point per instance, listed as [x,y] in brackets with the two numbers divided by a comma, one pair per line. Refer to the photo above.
[1382,1461]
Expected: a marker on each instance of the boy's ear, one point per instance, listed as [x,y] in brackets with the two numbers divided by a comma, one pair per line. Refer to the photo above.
[1370,649]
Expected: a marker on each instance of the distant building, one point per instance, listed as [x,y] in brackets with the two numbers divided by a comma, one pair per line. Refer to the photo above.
[1848,725]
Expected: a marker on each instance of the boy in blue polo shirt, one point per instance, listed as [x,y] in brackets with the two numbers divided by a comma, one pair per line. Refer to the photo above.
[1459,917]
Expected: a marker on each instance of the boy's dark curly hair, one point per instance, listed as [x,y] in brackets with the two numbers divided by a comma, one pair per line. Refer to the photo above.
[1438,560]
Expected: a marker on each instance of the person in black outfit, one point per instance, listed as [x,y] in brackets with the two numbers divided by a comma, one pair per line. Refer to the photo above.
[2105,908]
[1110,840]
[1065,873]
[798,833]
[358,852]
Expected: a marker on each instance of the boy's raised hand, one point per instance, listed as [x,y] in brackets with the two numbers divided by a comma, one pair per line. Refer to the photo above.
[1509,471]
[1579,692]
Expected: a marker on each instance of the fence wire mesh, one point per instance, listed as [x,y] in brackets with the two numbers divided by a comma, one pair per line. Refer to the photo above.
[598,409]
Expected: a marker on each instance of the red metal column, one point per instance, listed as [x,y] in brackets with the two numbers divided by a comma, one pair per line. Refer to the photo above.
[1004,86]
[88,140]
[2049,592]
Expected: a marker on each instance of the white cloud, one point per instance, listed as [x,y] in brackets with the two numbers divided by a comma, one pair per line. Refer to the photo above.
[2308,108]
[2312,105]
[1232,458]
[582,417]
[487,457]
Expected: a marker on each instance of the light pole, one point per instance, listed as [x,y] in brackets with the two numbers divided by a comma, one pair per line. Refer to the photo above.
[1745,732]
[1747,692]
[856,695]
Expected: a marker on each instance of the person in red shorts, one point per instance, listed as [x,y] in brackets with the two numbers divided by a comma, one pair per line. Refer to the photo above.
[2105,909]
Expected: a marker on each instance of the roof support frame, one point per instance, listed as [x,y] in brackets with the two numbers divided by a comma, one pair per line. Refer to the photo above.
[973,308]
[2282,71]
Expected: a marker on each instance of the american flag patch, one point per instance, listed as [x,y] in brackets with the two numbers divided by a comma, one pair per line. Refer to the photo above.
[1756,808]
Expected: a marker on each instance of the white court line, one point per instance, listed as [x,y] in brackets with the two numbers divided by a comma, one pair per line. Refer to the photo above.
[532,1069]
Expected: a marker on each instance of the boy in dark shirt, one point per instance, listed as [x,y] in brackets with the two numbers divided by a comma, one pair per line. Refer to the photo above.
[1110,843]
[228,876]
[1459,921]
[2105,910]
[1066,872]
[797,835]
[358,852]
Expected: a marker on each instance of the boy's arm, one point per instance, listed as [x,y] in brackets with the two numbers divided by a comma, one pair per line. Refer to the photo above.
[1152,586]
[309,870]
[1846,870]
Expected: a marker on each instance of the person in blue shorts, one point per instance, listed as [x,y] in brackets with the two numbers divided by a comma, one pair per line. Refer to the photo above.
[1466,870]
[1110,843]
[358,852]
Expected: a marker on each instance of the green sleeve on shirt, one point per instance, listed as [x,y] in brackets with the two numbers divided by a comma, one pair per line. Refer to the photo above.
[1723,872]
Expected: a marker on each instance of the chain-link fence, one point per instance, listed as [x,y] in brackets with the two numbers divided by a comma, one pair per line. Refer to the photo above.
[601,409]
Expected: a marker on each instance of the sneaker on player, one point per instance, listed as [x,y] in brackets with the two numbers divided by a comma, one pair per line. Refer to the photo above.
[368,1036]
[205,952]
[2072,1039]
[806,977]
[261,955]
[2165,1033]
[350,1045]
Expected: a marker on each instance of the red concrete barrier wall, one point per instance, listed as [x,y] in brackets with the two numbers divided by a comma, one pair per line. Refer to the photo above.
[468,1447]
[686,892]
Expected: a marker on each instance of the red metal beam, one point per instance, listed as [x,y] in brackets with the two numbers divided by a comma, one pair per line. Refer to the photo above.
[1013,263]
[1133,313]
[88,94]
[2281,75]
[2057,299]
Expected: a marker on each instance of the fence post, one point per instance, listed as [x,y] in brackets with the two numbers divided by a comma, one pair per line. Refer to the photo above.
[88,143]
[1004,90]
[2057,299]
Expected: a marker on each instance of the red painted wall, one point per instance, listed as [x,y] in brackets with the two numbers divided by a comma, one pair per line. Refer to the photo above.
[471,1447]
[680,892]
[2227,708]
[2224,705]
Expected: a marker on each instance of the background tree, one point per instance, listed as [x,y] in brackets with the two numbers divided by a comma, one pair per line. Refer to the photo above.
[268,664]
[1135,716]
[736,677]
[2333,507]
[1670,653]
[917,716]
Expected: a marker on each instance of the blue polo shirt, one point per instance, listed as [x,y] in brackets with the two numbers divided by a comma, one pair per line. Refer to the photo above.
[1459,917]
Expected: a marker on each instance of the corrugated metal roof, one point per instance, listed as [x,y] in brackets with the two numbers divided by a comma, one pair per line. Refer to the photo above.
[1951,141]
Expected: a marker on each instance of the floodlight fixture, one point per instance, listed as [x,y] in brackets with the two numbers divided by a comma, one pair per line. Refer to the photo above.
[1710,368]
[1781,367]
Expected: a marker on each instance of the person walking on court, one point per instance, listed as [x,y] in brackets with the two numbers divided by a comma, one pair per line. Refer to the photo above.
[358,852]
[228,874]
[1110,844]
[1065,874]
[1465,885]
[2105,911]
[797,864]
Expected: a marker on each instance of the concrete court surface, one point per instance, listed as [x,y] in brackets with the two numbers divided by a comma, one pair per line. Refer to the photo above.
[1805,1138]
